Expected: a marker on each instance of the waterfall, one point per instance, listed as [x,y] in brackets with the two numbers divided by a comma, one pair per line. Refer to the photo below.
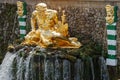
[6,67]
[104,71]
[25,69]
[36,64]
[58,69]
[49,69]
[92,69]
[16,67]
[28,67]
[20,65]
[77,68]
[20,69]
[66,70]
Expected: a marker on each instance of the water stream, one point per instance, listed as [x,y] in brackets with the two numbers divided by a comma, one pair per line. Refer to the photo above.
[58,69]
[66,70]
[38,65]
[77,68]
[104,71]
[6,67]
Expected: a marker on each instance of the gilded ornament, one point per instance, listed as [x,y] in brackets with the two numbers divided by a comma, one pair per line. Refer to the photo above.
[20,8]
[110,14]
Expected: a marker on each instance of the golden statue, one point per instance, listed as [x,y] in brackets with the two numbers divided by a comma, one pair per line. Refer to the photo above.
[48,31]
[110,14]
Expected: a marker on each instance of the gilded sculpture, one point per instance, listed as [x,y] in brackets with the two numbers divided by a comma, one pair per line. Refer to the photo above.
[110,14]
[48,31]
[19,8]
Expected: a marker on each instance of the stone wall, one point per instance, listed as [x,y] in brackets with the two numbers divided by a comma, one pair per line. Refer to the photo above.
[8,26]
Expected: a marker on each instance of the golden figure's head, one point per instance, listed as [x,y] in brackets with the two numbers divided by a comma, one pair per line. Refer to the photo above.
[41,7]
[20,8]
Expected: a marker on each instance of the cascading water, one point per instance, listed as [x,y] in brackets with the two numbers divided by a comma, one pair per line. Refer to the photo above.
[6,67]
[104,71]
[28,67]
[92,69]
[20,66]
[25,68]
[20,69]
[32,63]
[49,69]
[66,70]
[58,69]
[77,68]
